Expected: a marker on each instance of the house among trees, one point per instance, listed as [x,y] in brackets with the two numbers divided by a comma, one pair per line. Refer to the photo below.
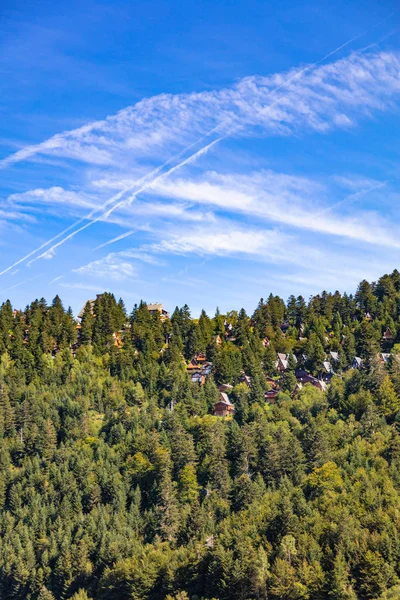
[388,335]
[385,357]
[334,356]
[224,407]
[157,307]
[198,368]
[198,378]
[91,303]
[225,387]
[327,372]
[304,377]
[270,395]
[282,361]
[357,363]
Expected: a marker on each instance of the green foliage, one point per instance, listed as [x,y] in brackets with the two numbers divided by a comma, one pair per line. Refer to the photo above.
[117,481]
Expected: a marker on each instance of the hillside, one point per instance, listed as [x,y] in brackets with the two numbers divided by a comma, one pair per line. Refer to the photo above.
[148,455]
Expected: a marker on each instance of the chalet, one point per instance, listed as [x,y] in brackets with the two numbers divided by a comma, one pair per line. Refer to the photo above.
[385,357]
[91,302]
[326,372]
[157,307]
[224,407]
[282,361]
[388,336]
[225,387]
[270,395]
[206,368]
[200,357]
[193,366]
[368,316]
[304,377]
[228,326]
[271,382]
[334,356]
[357,363]
[198,378]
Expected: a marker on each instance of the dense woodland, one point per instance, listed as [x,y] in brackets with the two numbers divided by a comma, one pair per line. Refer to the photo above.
[118,482]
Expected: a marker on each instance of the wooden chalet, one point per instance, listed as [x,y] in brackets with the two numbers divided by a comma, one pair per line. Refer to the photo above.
[198,378]
[157,307]
[270,395]
[282,361]
[357,363]
[303,377]
[224,407]
[225,387]
[334,356]
[217,340]
[388,335]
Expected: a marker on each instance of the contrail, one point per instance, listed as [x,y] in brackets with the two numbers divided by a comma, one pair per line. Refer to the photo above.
[229,133]
[113,198]
[127,201]
[351,197]
[296,75]
[116,239]
[20,283]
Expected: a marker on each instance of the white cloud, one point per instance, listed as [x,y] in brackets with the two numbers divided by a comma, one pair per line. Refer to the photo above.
[109,267]
[293,201]
[332,95]
[55,195]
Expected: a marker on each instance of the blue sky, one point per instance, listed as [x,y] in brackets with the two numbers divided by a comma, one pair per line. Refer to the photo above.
[199,152]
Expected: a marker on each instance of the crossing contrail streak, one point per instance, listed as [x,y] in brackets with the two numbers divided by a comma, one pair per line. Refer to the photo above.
[154,172]
[296,75]
[126,201]
[110,201]
[117,239]
[351,197]
[20,283]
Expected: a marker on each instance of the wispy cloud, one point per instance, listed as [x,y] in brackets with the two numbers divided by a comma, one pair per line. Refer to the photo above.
[143,136]
[110,267]
[326,97]
[294,201]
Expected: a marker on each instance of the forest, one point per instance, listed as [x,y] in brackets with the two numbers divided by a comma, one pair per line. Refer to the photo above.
[118,481]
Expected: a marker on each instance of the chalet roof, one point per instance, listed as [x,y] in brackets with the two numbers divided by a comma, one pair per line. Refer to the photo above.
[223,399]
[334,356]
[225,387]
[80,314]
[388,334]
[327,366]
[385,356]
[155,306]
[357,361]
